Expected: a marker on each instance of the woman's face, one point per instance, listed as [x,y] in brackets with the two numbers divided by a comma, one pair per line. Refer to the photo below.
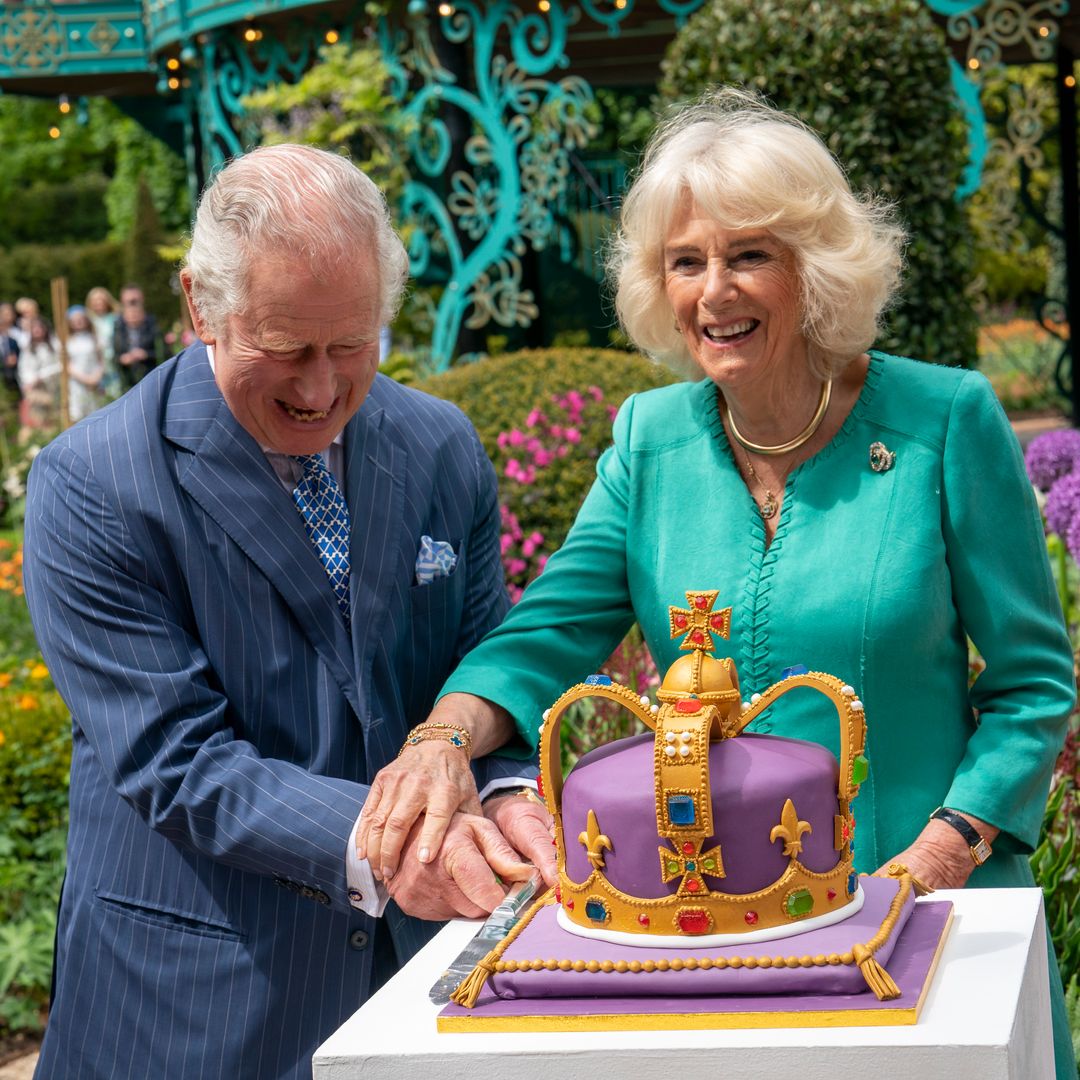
[735,297]
[98,303]
[79,322]
[38,330]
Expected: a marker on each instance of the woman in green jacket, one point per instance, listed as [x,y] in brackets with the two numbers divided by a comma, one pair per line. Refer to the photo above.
[863,514]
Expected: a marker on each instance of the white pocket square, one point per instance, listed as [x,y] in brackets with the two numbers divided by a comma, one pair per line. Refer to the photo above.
[435,560]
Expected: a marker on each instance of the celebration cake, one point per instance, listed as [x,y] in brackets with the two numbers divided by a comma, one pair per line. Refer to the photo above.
[700,860]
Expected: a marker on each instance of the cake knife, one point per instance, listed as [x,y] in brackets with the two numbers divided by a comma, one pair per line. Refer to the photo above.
[496,926]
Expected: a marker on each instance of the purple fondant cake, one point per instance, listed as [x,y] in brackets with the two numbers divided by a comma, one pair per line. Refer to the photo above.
[697,860]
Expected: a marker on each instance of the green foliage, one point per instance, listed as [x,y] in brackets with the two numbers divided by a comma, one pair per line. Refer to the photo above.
[35,758]
[1056,866]
[71,210]
[1072,1010]
[26,270]
[872,77]
[96,141]
[143,264]
[341,103]
[499,393]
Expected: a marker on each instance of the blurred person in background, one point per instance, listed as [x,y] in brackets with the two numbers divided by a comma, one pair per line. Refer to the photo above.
[39,379]
[85,369]
[26,310]
[101,307]
[136,341]
[9,353]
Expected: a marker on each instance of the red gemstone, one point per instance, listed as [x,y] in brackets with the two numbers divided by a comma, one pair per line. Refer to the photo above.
[692,885]
[697,637]
[680,620]
[688,848]
[570,903]
[558,895]
[717,622]
[643,919]
[687,705]
[693,922]
[831,894]
[701,603]
[750,918]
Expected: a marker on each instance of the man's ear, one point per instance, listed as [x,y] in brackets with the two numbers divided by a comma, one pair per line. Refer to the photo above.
[202,329]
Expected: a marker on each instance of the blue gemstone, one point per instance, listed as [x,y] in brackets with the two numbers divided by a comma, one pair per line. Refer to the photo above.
[691,865]
[798,669]
[852,882]
[595,910]
[680,810]
[598,680]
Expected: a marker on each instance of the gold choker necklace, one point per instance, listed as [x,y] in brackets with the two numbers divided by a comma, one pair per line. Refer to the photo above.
[792,444]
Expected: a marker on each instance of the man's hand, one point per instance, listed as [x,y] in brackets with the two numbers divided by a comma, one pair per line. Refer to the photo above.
[428,783]
[940,857]
[461,880]
[528,827]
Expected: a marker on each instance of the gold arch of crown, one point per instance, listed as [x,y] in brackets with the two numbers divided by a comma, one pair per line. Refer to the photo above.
[682,736]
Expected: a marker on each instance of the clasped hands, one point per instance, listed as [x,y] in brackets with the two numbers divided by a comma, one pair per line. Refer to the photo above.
[939,856]
[436,849]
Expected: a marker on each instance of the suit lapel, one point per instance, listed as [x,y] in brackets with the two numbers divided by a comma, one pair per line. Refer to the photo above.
[228,475]
[375,471]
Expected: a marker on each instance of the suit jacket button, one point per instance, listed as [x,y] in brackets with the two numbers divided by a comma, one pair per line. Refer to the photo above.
[358,940]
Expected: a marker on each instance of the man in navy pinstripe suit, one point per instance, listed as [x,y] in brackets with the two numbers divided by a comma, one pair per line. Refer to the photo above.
[229,707]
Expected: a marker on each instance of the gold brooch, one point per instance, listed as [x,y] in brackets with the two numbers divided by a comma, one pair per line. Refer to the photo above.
[882,459]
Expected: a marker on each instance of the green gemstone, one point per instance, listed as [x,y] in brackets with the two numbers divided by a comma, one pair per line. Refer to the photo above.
[800,902]
[860,769]
[672,867]
[709,864]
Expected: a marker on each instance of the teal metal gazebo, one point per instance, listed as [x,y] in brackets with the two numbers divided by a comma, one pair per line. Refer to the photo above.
[500,174]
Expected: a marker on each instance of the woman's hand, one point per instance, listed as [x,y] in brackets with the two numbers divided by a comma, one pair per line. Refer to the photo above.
[432,780]
[529,828]
[940,857]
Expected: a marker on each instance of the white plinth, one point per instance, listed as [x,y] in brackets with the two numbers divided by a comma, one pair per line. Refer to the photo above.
[987,1017]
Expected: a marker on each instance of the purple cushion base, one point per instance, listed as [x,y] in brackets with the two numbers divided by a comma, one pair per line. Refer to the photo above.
[544,939]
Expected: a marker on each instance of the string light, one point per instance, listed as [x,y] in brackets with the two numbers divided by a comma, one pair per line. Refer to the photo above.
[172,64]
[446,9]
[544,5]
[1044,31]
[174,83]
[973,63]
[253,33]
[1070,81]
[332,37]
[64,105]
[54,132]
[620,4]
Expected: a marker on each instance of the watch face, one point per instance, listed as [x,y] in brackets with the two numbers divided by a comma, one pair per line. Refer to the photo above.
[980,852]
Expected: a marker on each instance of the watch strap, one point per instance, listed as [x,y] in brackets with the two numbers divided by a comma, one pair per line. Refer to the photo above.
[978,846]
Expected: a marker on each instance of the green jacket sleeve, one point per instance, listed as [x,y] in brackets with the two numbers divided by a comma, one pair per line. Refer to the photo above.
[1008,605]
[569,619]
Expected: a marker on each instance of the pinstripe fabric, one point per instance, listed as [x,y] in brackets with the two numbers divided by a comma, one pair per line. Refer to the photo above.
[226,723]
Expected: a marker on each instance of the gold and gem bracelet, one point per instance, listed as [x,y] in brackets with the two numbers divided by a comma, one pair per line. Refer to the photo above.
[439,732]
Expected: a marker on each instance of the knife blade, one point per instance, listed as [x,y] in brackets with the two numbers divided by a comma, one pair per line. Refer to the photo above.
[495,927]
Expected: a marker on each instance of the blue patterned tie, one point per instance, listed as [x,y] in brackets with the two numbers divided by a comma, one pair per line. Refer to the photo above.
[319,499]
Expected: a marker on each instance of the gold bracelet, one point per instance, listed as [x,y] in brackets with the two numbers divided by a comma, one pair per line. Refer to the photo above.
[439,732]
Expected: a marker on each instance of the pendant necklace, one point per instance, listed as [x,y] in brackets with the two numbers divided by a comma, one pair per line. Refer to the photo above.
[767,508]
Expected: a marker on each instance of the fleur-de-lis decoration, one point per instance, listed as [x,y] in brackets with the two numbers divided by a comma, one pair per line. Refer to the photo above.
[595,842]
[790,830]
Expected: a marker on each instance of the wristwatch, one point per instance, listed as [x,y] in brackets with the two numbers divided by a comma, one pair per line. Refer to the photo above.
[978,846]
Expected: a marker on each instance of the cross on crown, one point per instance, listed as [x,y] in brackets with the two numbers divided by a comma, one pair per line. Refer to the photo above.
[698,622]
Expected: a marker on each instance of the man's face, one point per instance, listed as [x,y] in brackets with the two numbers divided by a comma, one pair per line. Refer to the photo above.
[296,365]
[131,300]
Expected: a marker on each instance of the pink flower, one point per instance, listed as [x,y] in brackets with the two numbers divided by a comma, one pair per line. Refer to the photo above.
[535,418]
[573,435]
[503,441]
[528,548]
[597,393]
[537,538]
[543,458]
[506,541]
[170,338]
[516,566]
[541,563]
[516,438]
[612,412]
[515,592]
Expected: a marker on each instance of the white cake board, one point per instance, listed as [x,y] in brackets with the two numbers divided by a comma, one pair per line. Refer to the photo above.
[987,1017]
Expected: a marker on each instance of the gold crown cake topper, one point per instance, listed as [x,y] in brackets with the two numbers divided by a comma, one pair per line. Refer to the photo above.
[700,704]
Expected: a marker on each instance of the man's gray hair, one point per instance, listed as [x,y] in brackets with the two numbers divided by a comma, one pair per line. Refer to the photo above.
[289,202]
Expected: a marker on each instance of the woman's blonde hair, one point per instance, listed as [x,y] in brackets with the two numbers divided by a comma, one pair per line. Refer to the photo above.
[748,165]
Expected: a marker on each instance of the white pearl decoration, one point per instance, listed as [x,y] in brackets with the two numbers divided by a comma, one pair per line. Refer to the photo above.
[669,736]
[686,736]
[644,699]
[847,691]
[755,698]
[745,706]
[669,750]
[684,751]
[856,705]
[654,709]
[547,713]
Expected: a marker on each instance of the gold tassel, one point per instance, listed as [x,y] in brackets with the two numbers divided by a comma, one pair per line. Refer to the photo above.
[877,978]
[469,988]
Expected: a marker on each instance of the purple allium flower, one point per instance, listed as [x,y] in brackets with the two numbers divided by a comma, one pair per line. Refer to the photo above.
[1052,455]
[1062,504]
